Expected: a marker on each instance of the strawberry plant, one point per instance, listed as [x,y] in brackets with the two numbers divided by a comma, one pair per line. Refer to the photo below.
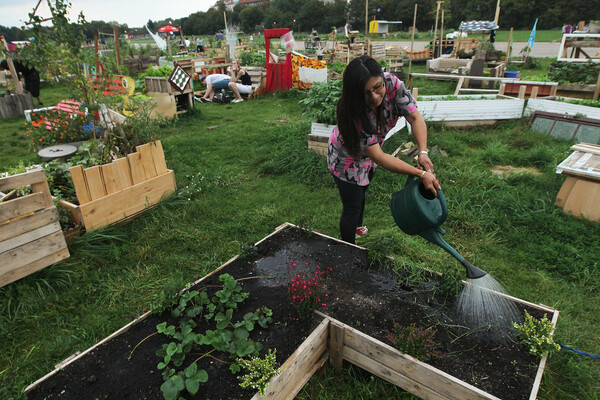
[229,336]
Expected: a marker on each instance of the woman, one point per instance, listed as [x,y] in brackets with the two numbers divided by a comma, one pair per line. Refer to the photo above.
[240,81]
[371,104]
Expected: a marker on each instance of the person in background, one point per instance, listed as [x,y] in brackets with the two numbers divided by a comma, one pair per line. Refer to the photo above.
[240,81]
[371,104]
[213,83]
[314,35]
[199,45]
[30,75]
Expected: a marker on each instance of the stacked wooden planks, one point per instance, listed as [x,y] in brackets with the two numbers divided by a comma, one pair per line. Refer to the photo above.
[30,234]
[113,192]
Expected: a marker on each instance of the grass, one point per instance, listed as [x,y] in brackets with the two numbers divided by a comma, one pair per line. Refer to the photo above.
[239,181]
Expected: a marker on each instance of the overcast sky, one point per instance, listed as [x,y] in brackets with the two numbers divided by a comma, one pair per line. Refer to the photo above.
[134,13]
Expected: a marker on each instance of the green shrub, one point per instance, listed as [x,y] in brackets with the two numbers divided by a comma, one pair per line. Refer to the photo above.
[321,102]
[566,72]
[536,334]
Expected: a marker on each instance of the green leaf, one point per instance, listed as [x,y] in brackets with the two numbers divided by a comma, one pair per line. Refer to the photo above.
[172,387]
[240,333]
[192,386]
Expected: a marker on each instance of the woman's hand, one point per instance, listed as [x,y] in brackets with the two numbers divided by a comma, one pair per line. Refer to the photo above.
[430,182]
[425,161]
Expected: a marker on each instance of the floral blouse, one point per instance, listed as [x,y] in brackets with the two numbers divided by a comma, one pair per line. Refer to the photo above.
[397,102]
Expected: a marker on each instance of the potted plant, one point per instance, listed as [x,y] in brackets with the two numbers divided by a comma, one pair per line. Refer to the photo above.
[321,105]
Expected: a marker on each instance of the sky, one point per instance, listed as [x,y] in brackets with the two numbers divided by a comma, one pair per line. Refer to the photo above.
[134,13]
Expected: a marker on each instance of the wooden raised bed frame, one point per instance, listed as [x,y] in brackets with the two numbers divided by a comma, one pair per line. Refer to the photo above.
[333,341]
[122,189]
[30,234]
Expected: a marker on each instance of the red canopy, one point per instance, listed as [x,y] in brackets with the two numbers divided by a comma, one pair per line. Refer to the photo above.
[168,28]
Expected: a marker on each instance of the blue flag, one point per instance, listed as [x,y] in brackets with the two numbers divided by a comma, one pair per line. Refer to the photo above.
[532,36]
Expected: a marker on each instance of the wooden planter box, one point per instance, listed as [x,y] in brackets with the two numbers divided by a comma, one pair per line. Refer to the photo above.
[30,234]
[579,91]
[544,88]
[560,107]
[333,342]
[122,189]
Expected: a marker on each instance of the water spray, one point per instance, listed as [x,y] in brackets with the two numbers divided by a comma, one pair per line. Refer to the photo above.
[482,304]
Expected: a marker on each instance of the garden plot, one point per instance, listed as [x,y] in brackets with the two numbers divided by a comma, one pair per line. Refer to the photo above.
[358,305]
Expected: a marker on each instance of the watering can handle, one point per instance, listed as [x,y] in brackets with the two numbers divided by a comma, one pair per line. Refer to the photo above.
[443,204]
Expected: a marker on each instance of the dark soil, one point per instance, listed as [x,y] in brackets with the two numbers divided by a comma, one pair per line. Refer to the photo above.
[367,298]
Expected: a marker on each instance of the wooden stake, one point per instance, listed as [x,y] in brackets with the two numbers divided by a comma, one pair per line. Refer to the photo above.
[412,40]
[597,91]
[182,39]
[534,92]
[507,59]
[96,52]
[497,17]
[366,18]
[13,72]
[117,49]
[437,14]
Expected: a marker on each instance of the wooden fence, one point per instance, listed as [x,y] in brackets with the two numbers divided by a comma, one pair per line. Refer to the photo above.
[30,234]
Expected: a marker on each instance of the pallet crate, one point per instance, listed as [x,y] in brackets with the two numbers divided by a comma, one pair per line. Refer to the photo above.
[120,190]
[30,234]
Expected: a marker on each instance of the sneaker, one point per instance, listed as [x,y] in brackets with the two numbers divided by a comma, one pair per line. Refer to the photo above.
[361,230]
[236,100]
[203,100]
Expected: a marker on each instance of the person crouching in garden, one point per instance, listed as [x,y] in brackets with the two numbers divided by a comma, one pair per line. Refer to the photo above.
[241,83]
[213,83]
[30,75]
[371,104]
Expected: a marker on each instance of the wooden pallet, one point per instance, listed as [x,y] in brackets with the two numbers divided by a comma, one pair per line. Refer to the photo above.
[14,105]
[120,190]
[30,234]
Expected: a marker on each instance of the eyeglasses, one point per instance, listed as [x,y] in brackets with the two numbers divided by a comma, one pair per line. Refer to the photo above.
[377,88]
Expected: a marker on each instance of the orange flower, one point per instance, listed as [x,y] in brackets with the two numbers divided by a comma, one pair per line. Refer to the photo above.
[40,139]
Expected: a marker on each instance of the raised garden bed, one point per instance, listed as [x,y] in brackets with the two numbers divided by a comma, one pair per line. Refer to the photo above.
[466,111]
[362,303]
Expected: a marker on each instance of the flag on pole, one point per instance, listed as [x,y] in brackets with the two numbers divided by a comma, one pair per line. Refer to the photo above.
[532,36]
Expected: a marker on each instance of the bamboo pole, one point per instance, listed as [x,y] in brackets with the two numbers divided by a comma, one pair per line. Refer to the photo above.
[437,14]
[117,49]
[412,40]
[507,59]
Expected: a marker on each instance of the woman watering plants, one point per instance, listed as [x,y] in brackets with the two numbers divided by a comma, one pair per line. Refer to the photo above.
[371,103]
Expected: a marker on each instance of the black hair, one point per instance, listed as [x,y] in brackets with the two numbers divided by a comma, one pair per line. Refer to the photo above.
[352,108]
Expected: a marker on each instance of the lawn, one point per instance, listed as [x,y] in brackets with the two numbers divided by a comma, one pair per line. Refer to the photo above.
[238,181]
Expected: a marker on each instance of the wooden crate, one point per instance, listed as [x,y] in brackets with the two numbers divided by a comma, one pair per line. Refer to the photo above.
[122,189]
[30,234]
[159,84]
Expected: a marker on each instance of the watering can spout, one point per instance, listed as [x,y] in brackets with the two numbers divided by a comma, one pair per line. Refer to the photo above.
[472,271]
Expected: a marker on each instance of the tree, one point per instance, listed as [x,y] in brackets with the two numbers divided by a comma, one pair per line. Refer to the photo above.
[250,18]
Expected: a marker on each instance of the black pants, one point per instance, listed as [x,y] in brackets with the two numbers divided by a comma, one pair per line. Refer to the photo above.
[353,208]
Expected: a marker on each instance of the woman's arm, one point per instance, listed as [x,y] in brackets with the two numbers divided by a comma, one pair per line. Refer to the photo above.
[394,164]
[419,131]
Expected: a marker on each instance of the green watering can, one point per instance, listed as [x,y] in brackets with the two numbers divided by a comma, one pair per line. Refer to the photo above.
[417,211]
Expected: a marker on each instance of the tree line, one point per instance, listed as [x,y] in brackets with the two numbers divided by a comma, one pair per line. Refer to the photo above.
[303,15]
